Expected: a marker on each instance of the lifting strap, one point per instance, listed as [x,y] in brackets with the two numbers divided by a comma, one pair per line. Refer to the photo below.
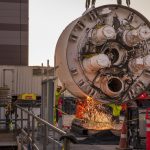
[119,2]
[88,2]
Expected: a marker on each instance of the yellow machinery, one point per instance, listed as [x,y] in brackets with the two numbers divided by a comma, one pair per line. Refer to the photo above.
[27,96]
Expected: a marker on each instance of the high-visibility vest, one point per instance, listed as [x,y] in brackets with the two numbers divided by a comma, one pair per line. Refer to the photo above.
[116,109]
[57,95]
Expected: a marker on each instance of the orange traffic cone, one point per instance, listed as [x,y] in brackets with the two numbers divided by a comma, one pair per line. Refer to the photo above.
[123,145]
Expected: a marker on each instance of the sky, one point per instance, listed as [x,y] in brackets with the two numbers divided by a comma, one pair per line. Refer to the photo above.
[48,18]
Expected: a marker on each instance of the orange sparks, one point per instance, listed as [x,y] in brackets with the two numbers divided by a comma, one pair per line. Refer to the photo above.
[93,115]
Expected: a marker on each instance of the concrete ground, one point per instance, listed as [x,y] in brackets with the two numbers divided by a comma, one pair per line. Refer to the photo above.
[82,147]
[104,140]
[93,147]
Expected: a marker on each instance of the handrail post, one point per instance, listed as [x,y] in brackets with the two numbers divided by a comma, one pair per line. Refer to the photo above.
[21,119]
[45,137]
[33,132]
[21,115]
[66,144]
[53,143]
[15,118]
[29,120]
[28,130]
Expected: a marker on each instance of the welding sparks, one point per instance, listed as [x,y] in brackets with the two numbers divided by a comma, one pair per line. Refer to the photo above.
[94,115]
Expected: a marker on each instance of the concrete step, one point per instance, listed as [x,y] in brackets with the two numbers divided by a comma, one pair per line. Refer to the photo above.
[7,139]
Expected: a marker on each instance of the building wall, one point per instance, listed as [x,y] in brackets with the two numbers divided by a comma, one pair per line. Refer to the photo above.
[13,32]
[23,79]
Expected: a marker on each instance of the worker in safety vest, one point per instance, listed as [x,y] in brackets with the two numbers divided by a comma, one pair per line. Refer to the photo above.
[8,115]
[58,92]
[116,110]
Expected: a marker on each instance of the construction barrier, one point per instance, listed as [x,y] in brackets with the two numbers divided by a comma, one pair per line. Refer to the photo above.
[123,143]
[148,129]
[123,137]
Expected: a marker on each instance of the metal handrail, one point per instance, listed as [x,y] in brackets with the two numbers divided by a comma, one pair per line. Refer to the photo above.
[43,121]
[31,135]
